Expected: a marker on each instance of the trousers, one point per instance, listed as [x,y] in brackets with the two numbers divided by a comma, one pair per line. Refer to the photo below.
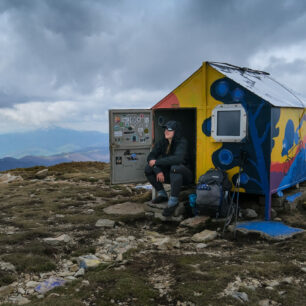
[176,175]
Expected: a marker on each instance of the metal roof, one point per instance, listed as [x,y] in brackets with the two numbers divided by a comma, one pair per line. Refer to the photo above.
[261,84]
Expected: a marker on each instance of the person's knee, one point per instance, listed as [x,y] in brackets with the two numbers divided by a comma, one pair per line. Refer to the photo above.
[174,169]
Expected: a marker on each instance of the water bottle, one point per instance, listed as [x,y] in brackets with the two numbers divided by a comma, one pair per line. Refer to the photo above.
[192,202]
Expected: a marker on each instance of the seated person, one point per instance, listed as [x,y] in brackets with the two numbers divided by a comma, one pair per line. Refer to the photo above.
[168,162]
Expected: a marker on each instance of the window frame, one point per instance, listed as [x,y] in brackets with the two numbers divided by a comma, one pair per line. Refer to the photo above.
[214,123]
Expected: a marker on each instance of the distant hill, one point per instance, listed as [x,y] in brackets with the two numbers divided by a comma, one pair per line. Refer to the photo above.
[87,154]
[49,142]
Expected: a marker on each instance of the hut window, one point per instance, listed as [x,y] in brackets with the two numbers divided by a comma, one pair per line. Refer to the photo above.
[228,123]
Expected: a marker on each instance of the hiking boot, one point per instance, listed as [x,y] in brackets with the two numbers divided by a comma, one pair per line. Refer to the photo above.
[168,211]
[160,199]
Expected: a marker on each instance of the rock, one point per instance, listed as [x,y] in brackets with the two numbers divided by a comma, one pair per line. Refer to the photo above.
[195,222]
[287,280]
[201,245]
[74,268]
[7,178]
[271,283]
[65,273]
[267,302]
[21,291]
[42,174]
[105,258]
[249,214]
[80,272]
[70,278]
[6,266]
[85,282]
[20,300]
[89,261]
[6,290]
[240,296]
[119,257]
[273,213]
[303,269]
[166,243]
[60,239]
[127,208]
[159,216]
[105,223]
[204,236]
[151,207]
[31,284]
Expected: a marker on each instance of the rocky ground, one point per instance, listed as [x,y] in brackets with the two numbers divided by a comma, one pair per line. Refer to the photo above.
[63,228]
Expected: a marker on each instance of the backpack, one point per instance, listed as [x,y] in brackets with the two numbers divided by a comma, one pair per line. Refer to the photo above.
[212,193]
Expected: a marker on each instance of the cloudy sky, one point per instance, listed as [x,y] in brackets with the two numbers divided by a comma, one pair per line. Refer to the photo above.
[64,63]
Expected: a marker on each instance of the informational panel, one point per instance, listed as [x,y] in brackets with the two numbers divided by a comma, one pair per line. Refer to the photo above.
[130,135]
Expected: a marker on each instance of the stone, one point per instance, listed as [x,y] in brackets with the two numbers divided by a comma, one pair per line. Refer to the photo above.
[7,178]
[201,245]
[127,208]
[65,273]
[74,268]
[20,300]
[303,269]
[42,174]
[195,222]
[273,213]
[80,272]
[159,216]
[249,213]
[70,278]
[240,296]
[85,282]
[6,266]
[6,290]
[151,207]
[60,239]
[31,284]
[204,236]
[119,257]
[166,243]
[105,223]
[267,302]
[89,261]
[105,258]
[271,283]
[21,291]
[287,280]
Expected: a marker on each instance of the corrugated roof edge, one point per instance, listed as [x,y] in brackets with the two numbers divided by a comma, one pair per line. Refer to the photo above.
[298,100]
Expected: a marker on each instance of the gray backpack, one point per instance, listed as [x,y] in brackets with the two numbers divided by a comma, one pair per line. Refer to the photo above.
[212,193]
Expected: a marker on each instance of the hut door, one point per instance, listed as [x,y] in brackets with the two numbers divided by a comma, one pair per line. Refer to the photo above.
[130,141]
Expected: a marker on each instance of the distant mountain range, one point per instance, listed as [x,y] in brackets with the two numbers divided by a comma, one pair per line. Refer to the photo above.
[49,142]
[88,154]
[50,147]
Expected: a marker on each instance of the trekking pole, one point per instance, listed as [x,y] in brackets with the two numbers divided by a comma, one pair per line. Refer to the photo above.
[234,206]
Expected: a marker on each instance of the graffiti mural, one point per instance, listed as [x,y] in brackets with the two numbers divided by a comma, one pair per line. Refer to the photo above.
[292,168]
[256,146]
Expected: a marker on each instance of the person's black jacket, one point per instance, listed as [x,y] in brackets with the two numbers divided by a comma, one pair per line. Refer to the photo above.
[178,152]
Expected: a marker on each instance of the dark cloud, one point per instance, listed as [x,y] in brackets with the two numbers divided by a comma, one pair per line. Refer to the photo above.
[64,49]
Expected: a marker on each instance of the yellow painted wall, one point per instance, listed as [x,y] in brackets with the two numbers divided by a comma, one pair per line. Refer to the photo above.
[295,114]
[195,92]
